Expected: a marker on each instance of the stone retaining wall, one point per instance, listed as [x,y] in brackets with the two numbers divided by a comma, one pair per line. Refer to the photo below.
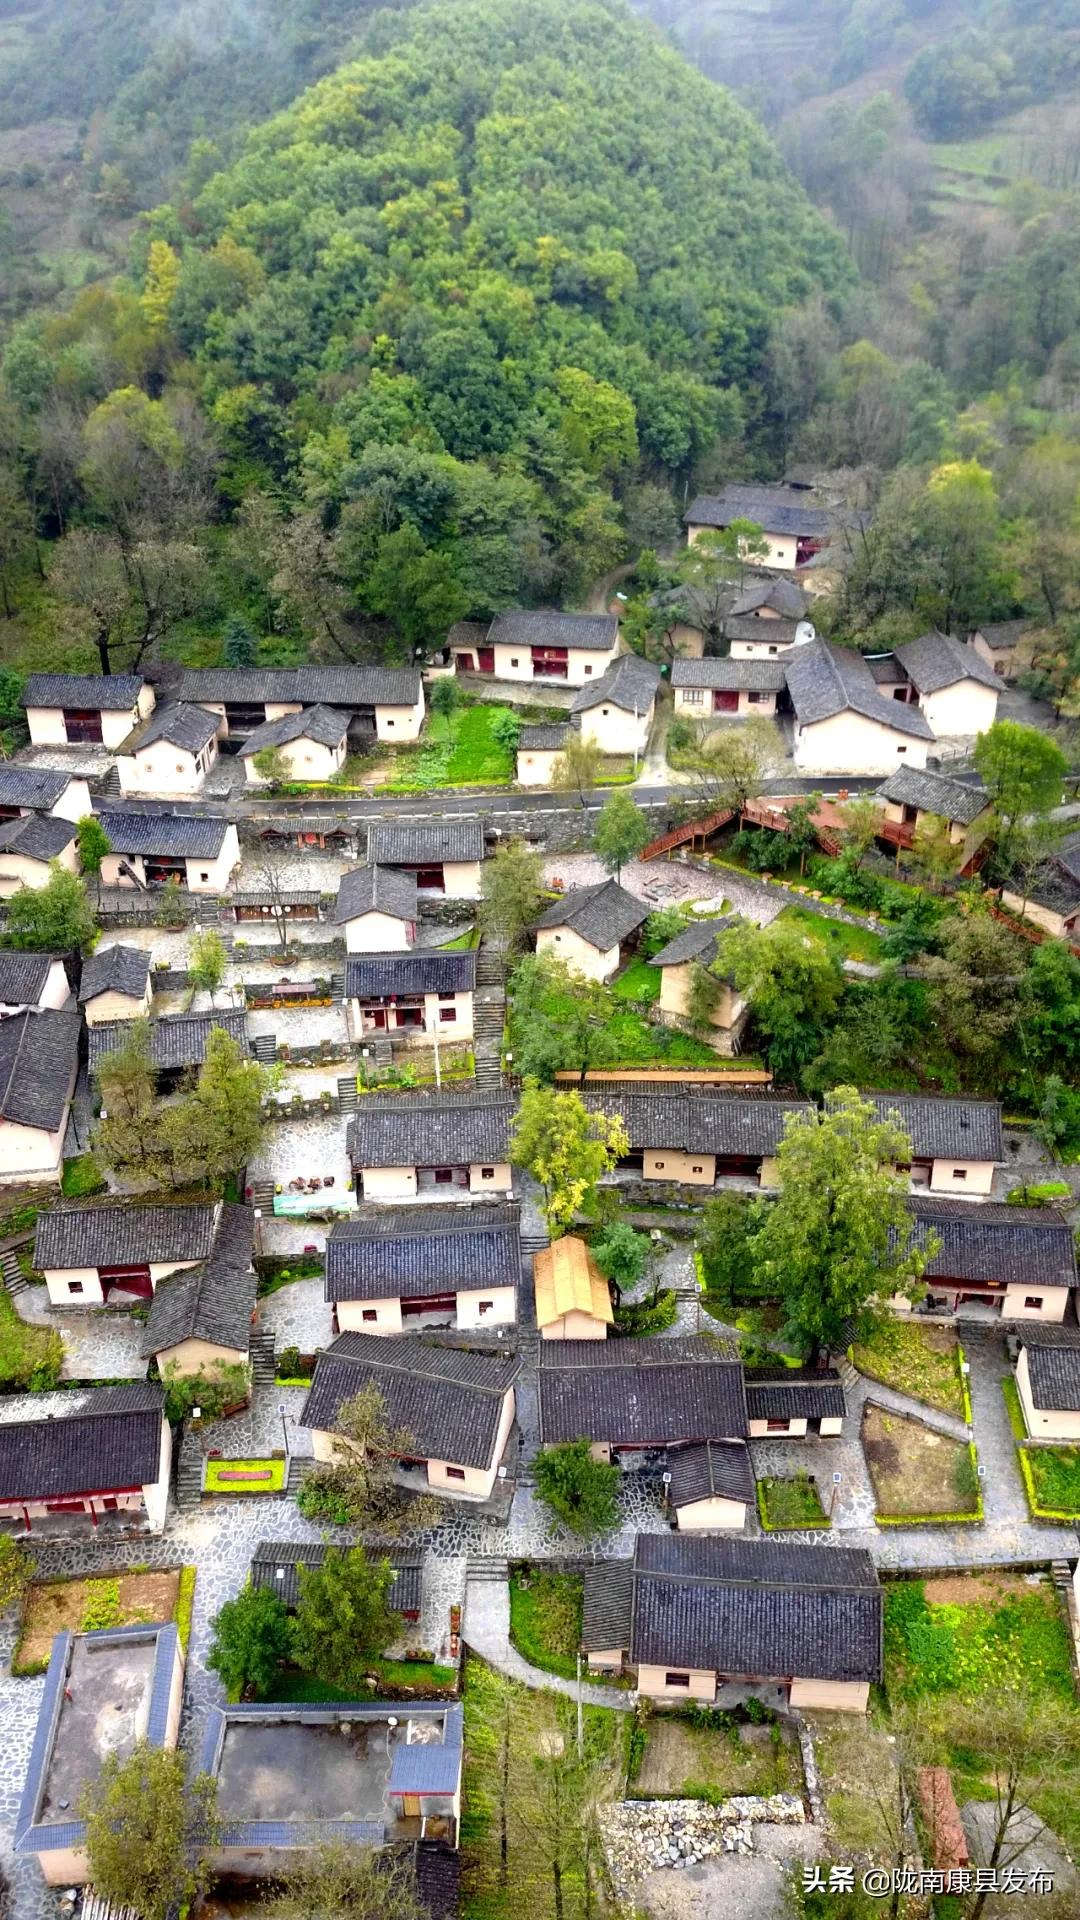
[641,1835]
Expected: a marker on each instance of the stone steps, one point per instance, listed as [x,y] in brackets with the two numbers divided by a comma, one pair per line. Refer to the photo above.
[262,1195]
[263,1364]
[266,1048]
[13,1276]
[487,1567]
[299,1468]
[348,1098]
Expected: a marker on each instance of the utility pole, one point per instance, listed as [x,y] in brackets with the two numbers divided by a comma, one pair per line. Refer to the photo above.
[580,1713]
[435,1045]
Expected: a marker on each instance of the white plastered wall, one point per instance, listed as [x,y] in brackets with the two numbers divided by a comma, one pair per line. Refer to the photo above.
[16,871]
[378,933]
[848,743]
[566,945]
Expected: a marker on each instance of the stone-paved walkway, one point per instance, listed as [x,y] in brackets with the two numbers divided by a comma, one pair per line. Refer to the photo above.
[667,883]
[486,1629]
[297,1315]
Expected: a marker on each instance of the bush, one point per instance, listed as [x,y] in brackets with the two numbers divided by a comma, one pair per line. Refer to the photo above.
[319,1498]
[211,1392]
[1043,1194]
[637,1317]
[578,1490]
[762,850]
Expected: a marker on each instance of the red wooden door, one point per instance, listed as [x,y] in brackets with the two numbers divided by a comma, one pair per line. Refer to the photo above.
[485,657]
[726,701]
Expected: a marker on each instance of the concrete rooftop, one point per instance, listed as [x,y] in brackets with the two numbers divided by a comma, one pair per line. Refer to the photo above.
[106,1709]
[281,1770]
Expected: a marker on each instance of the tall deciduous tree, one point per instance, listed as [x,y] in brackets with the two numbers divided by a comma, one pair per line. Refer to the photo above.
[342,1617]
[1022,770]
[793,986]
[729,766]
[567,1148]
[214,1129]
[838,1240]
[559,1019]
[148,1834]
[55,918]
[577,768]
[93,843]
[340,1880]
[358,1487]
[511,891]
[620,833]
[252,1636]
[976,984]
[577,1489]
[207,961]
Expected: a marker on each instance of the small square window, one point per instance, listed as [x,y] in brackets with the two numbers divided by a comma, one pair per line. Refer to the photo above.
[369,1313]
[204,876]
[776,1426]
[487,1173]
[390,723]
[959,1173]
[455,1473]
[676,1679]
[901,749]
[659,1165]
[588,670]
[1033,1300]
[514,663]
[605,711]
[447,1014]
[443,1176]
[697,1169]
[76,1286]
[772,649]
[485,1306]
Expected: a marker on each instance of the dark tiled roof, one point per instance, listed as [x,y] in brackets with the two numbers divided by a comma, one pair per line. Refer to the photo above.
[824,680]
[794,1393]
[547,627]
[176,1040]
[450,1128]
[189,727]
[628,682]
[934,793]
[103,692]
[1002,634]
[550,739]
[22,976]
[782,596]
[943,1128]
[375,890]
[447,1399]
[730,675]
[117,1233]
[32,786]
[639,1393]
[720,1469]
[400,843]
[36,836]
[468,633]
[321,724]
[438,1874]
[697,1120]
[311,686]
[937,660]
[1054,1376]
[38,1056]
[185,835]
[116,969]
[608,1605]
[381,976]
[695,942]
[419,1250]
[755,1607]
[213,1301]
[784,510]
[111,1438]
[770,633]
[272,1558]
[987,1242]
[1056,883]
[604,915]
[886,670]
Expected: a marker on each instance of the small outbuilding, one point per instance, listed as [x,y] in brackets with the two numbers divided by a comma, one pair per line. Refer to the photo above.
[539,749]
[170,754]
[201,1318]
[312,745]
[590,928]
[378,909]
[85,709]
[115,985]
[711,1487]
[1048,1381]
[615,713]
[443,857]
[696,947]
[39,1062]
[85,1455]
[573,1299]
[28,846]
[30,982]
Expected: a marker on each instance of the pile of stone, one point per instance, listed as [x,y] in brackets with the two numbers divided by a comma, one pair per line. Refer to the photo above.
[642,1835]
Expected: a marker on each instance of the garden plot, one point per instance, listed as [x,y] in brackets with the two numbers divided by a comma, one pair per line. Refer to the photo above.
[917,1359]
[77,1606]
[710,1754]
[917,1472]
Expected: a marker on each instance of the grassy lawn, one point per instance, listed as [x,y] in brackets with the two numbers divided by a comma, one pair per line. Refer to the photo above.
[545,1619]
[1015,1410]
[708,1754]
[119,1600]
[919,1359]
[80,1177]
[845,943]
[790,1503]
[638,981]
[641,1044]
[1055,1478]
[856,1763]
[462,942]
[917,1473]
[30,1356]
[420,1675]
[245,1476]
[460,752]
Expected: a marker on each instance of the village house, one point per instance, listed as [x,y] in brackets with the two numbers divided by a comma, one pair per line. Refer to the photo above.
[382,703]
[178,1041]
[200,851]
[955,1142]
[456,1407]
[590,929]
[96,1252]
[88,1454]
[572,1297]
[28,846]
[687,1614]
[1001,644]
[1018,1263]
[615,713]
[170,754]
[411,995]
[698,1136]
[30,982]
[410,1268]
[956,690]
[1050,898]
[1048,1382]
[42,790]
[274,1564]
[632,1400]
[539,749]
[312,745]
[695,947]
[201,1316]
[39,1061]
[772,604]
[545,645]
[446,1145]
[794,1402]
[85,709]
[844,723]
[377,908]
[912,797]
[104,1691]
[710,1488]
[737,685]
[444,857]
[115,985]
[794,521]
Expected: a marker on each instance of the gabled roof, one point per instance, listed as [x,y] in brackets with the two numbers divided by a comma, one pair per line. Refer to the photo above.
[794,1393]
[213,1301]
[720,1470]
[117,1233]
[1000,635]
[36,836]
[1018,1245]
[189,727]
[32,786]
[101,692]
[783,597]
[733,674]
[697,1119]
[548,739]
[449,1128]
[629,683]
[566,1279]
[22,977]
[308,686]
[934,793]
[1056,883]
[547,627]
[325,726]
[402,843]
[419,1250]
[944,1128]
[769,633]
[105,1438]
[937,660]
[116,969]
[698,942]
[274,1564]
[39,1054]
[785,510]
[1053,1365]
[824,680]
[604,915]
[176,1039]
[185,835]
[640,1393]
[375,890]
[448,1400]
[384,976]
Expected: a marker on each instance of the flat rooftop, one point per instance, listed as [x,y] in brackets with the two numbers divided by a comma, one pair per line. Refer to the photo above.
[105,1709]
[285,1770]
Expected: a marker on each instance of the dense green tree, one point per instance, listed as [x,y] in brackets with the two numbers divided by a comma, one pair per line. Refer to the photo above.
[343,1618]
[55,918]
[93,843]
[622,1255]
[793,986]
[239,645]
[149,1831]
[620,832]
[343,1880]
[567,1148]
[1022,770]
[250,1642]
[511,893]
[207,961]
[559,1021]
[577,1489]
